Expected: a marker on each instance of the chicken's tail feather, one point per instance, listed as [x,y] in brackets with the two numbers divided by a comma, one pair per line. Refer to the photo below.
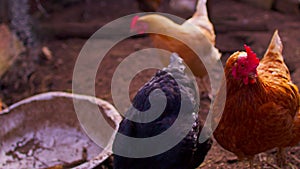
[275,46]
[201,9]
[201,19]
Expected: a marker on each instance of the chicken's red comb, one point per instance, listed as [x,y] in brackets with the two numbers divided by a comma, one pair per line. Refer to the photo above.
[251,55]
[134,21]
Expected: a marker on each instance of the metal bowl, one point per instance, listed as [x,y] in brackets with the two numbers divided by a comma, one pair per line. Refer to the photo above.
[43,131]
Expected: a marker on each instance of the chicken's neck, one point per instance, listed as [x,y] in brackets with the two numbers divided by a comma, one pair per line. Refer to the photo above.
[235,86]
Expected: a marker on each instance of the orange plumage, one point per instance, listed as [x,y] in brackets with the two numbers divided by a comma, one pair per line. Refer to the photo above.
[197,32]
[262,106]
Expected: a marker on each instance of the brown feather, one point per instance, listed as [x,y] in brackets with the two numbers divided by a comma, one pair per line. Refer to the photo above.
[264,115]
[196,32]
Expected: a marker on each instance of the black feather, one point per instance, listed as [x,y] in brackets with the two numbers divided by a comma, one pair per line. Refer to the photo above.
[188,153]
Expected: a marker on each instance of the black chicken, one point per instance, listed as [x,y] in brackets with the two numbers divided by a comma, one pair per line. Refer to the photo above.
[181,97]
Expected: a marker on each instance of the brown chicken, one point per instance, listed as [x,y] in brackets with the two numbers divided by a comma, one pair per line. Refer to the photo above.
[197,33]
[262,106]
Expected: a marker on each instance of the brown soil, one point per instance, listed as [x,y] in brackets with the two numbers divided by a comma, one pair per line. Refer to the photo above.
[231,18]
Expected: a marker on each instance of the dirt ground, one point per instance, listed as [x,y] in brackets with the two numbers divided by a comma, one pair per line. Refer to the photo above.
[235,24]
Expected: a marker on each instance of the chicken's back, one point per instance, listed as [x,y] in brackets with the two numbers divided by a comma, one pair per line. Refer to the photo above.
[193,39]
[272,64]
[189,56]
[276,76]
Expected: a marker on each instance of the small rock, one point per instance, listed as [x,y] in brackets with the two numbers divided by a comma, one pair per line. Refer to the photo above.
[231,160]
[46,53]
